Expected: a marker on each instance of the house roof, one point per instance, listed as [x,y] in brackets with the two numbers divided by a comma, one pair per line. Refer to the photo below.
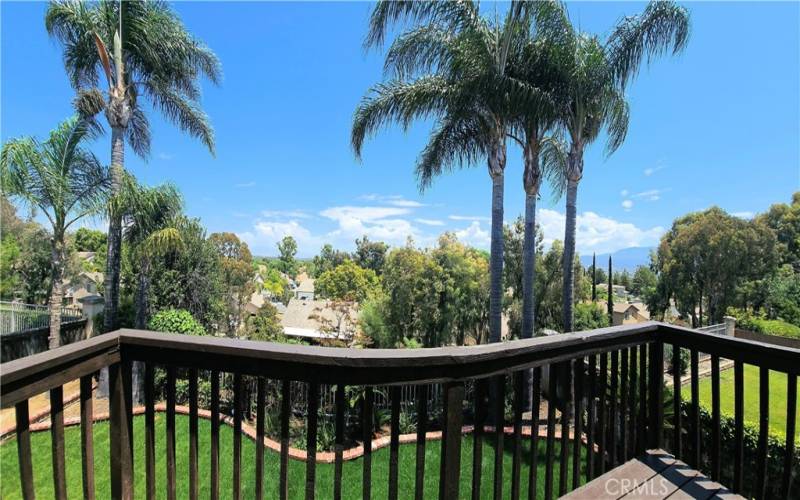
[309,315]
[624,306]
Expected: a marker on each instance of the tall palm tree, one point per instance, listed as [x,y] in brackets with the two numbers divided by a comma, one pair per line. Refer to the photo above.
[65,182]
[152,55]
[596,74]
[451,66]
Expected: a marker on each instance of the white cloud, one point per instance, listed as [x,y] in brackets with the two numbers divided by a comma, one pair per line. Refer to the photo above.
[474,235]
[429,222]
[651,170]
[627,205]
[476,218]
[382,223]
[623,193]
[595,233]
[165,156]
[289,214]
[265,235]
[245,184]
[650,194]
[743,215]
[394,200]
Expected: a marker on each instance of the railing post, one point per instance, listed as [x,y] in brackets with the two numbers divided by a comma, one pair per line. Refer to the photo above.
[655,428]
[451,441]
[121,430]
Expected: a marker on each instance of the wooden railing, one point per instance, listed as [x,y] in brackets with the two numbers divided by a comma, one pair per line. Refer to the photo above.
[605,388]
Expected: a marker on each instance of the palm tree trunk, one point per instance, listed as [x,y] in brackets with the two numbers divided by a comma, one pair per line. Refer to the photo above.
[528,291]
[529,267]
[142,286]
[111,281]
[496,259]
[57,290]
[569,256]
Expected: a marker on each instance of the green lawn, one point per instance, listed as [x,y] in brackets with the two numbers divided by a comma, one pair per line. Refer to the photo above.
[777,397]
[9,489]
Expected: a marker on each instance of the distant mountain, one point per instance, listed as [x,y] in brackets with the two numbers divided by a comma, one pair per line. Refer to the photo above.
[627,258]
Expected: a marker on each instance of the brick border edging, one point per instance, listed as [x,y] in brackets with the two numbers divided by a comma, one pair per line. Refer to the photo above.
[33,419]
[324,457]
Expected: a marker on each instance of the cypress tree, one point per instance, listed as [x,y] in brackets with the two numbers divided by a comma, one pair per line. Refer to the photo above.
[594,278]
[610,294]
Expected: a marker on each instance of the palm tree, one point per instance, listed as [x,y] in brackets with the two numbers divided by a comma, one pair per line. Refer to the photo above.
[65,182]
[151,228]
[152,55]
[451,67]
[595,76]
[535,63]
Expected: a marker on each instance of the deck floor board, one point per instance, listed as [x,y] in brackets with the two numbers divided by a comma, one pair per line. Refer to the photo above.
[656,475]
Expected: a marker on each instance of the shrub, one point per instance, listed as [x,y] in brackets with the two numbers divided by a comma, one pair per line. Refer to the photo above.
[760,324]
[776,451]
[176,321]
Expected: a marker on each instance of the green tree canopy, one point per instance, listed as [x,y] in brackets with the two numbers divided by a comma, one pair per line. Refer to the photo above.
[348,282]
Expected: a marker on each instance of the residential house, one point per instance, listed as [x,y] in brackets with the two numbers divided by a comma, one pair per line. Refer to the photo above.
[630,313]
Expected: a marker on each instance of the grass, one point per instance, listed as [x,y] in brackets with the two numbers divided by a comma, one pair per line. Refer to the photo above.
[351,484]
[777,397]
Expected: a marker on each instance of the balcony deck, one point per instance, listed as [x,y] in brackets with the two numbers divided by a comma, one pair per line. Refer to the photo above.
[606,386]
[656,475]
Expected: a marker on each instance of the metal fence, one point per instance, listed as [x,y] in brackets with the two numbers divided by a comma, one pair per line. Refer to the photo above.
[718,329]
[19,317]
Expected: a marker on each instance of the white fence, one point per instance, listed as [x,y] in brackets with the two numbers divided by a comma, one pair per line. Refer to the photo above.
[18,317]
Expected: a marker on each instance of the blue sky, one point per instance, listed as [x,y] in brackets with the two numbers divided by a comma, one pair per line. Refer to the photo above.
[717,125]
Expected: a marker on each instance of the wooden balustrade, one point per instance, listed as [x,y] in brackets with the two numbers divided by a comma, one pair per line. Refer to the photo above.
[604,390]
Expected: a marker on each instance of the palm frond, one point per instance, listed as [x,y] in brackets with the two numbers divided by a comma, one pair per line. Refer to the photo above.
[553,158]
[617,117]
[182,111]
[138,132]
[662,26]
[398,101]
[454,15]
[459,140]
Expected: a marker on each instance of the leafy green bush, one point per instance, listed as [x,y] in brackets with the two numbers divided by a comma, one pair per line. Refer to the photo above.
[776,449]
[176,321]
[760,324]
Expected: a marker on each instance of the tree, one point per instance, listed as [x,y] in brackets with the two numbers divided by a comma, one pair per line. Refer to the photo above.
[65,182]
[90,240]
[436,297]
[610,292]
[149,219]
[595,74]
[705,258]
[534,62]
[644,282]
[188,277]
[287,248]
[347,282]
[450,66]
[265,325]
[25,257]
[328,259]
[152,55]
[785,221]
[175,321]
[236,266]
[370,254]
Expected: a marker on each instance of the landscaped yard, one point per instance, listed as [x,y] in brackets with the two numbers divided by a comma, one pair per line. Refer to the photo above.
[351,485]
[777,397]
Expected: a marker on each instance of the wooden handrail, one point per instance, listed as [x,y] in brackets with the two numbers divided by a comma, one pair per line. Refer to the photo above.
[633,390]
